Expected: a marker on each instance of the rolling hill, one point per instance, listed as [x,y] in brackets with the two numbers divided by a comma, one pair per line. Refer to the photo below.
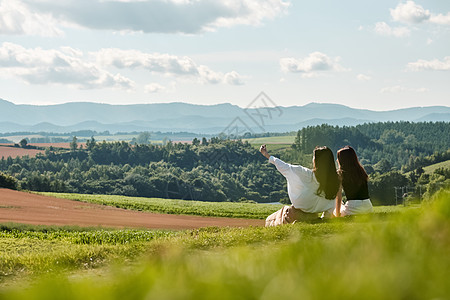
[208,119]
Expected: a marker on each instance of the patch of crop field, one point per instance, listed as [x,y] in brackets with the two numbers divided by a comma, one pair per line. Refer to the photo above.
[173,206]
[272,147]
[285,139]
[398,256]
[31,250]
[430,169]
[80,235]
[6,151]
[119,137]
[57,145]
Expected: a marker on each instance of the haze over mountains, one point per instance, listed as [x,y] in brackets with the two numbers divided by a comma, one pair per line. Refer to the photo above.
[207,119]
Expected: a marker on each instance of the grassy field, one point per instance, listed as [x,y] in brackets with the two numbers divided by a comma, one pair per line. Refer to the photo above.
[401,255]
[285,139]
[27,250]
[430,169]
[394,254]
[199,208]
[272,147]
[273,143]
[173,206]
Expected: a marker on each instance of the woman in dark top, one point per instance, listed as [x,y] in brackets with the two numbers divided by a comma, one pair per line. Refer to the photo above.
[354,183]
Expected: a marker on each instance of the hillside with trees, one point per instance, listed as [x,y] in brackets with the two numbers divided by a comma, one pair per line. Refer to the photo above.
[387,151]
[231,170]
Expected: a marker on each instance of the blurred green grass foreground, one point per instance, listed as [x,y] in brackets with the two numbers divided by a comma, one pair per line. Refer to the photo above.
[400,255]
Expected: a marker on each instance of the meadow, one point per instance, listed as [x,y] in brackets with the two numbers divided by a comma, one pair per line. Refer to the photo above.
[396,253]
[272,147]
[176,206]
[183,207]
[36,250]
[431,168]
[283,139]
[273,143]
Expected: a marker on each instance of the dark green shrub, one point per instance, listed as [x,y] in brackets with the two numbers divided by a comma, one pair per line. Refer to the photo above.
[7,181]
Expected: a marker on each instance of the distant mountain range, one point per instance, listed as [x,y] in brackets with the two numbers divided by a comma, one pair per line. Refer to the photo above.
[201,119]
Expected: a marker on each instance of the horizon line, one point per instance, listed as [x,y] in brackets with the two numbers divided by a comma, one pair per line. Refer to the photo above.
[215,104]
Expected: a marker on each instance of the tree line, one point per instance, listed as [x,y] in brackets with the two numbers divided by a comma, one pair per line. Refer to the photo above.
[213,170]
[231,170]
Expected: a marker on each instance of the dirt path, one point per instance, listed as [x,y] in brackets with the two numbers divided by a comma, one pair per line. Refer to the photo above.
[20,207]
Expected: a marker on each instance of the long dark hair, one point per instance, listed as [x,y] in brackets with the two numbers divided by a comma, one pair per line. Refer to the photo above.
[325,171]
[351,171]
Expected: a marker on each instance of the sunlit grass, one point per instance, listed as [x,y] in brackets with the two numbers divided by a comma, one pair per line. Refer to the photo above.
[431,168]
[199,208]
[401,254]
[34,250]
[285,139]
[173,206]
[272,147]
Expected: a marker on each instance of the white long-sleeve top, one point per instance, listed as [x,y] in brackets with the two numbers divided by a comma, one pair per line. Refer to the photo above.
[302,187]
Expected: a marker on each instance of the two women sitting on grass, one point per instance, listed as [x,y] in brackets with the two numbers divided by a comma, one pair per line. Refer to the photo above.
[320,190]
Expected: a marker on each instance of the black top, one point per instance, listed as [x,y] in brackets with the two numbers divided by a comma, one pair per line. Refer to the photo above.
[353,192]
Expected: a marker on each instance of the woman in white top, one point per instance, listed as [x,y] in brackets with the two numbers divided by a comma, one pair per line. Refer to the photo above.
[310,191]
[354,183]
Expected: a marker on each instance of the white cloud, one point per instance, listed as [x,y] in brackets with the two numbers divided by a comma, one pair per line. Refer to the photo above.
[233,78]
[441,19]
[16,18]
[311,65]
[430,65]
[362,77]
[206,75]
[410,12]
[422,90]
[65,66]
[250,12]
[164,16]
[384,29]
[393,89]
[155,62]
[402,89]
[153,88]
[169,65]
[73,68]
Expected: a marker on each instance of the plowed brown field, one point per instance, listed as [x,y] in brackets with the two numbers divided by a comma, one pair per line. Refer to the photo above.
[56,145]
[15,151]
[20,207]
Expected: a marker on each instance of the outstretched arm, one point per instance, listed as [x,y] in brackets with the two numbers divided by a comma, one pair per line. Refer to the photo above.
[282,167]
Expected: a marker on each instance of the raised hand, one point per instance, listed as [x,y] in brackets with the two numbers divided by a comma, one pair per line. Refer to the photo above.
[263,151]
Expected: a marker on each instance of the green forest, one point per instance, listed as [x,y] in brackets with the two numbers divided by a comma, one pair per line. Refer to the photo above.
[218,169]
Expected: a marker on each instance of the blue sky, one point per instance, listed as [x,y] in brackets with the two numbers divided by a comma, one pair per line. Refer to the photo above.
[377,55]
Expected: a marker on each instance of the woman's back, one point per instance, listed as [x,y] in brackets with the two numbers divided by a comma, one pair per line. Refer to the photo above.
[354,183]
[302,187]
[356,191]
